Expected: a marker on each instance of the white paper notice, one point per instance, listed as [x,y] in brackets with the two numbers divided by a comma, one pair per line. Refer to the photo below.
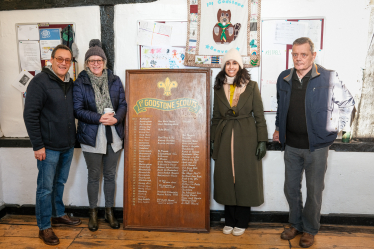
[178,34]
[29,54]
[314,32]
[154,34]
[22,81]
[46,48]
[28,32]
[287,32]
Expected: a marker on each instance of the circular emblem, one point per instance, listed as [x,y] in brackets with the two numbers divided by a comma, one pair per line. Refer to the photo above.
[45,33]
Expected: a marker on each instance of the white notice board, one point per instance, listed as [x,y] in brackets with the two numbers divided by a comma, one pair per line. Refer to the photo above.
[276,47]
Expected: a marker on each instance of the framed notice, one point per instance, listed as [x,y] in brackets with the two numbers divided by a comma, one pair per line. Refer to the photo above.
[278,36]
[216,26]
[167,162]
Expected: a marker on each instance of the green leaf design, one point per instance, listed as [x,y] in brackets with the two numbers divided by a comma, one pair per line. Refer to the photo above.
[254,62]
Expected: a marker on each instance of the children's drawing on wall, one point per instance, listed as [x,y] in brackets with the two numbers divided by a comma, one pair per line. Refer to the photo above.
[162,57]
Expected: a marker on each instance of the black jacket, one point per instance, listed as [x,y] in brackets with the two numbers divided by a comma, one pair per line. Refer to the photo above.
[48,113]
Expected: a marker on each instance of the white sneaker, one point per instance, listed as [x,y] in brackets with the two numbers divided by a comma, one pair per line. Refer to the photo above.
[227,230]
[238,231]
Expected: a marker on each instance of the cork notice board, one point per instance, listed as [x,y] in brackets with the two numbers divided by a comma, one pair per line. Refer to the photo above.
[167,162]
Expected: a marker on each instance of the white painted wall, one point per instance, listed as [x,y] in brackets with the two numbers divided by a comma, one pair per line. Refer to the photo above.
[87,20]
[347,178]
[348,181]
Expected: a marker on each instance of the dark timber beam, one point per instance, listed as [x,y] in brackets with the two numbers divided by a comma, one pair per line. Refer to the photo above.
[44,4]
[106,16]
[107,33]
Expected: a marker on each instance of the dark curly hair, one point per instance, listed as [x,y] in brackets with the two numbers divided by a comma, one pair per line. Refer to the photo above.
[241,76]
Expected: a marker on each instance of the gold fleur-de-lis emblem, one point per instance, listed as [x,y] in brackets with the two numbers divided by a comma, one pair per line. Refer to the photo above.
[167,85]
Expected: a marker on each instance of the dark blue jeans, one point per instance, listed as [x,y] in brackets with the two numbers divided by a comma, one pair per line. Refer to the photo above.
[52,176]
[305,218]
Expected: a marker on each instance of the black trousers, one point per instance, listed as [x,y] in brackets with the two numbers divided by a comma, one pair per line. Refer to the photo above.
[237,216]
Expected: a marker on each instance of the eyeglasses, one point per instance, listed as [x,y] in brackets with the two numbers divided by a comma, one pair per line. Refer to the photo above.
[92,62]
[61,60]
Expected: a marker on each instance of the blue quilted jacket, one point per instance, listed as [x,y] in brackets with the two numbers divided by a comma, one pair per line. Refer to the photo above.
[85,107]
[328,106]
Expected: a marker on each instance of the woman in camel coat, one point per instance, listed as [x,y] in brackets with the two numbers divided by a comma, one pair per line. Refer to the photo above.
[239,135]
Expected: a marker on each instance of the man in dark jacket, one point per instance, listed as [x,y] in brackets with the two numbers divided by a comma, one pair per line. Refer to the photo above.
[313,105]
[50,123]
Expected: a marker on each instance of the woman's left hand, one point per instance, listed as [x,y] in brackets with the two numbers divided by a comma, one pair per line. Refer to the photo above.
[108,119]
[261,150]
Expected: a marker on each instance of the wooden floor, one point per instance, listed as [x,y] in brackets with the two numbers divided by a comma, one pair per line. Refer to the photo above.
[20,231]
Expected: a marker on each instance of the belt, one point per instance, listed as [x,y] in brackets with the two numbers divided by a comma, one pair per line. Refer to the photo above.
[230,115]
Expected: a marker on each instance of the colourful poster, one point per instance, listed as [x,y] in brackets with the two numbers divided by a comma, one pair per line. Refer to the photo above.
[162,57]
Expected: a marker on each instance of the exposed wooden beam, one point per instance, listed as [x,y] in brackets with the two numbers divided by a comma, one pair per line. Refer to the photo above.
[44,4]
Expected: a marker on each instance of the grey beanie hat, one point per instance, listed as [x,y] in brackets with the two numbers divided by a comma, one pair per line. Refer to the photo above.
[95,49]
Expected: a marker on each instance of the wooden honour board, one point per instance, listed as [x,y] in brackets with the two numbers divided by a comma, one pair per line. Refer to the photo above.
[167,154]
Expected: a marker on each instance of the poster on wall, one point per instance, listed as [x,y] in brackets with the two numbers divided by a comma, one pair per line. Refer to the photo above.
[216,26]
[162,57]
[49,39]
[276,51]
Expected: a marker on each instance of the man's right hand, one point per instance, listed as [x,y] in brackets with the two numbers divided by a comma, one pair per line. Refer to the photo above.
[276,136]
[40,154]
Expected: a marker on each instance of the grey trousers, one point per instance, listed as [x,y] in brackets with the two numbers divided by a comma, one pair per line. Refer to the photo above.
[94,162]
[307,218]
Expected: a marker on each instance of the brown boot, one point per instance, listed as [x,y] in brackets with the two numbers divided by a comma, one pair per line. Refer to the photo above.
[306,240]
[66,220]
[109,217]
[289,233]
[49,237]
[92,223]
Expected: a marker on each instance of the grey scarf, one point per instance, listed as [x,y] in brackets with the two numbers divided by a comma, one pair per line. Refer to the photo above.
[101,89]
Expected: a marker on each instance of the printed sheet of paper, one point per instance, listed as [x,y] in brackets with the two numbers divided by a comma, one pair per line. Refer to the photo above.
[314,32]
[154,34]
[28,32]
[29,53]
[178,34]
[22,81]
[287,32]
[46,48]
[162,57]
[274,55]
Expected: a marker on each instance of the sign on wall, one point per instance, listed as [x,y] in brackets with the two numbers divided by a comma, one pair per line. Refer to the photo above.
[216,26]
[167,174]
